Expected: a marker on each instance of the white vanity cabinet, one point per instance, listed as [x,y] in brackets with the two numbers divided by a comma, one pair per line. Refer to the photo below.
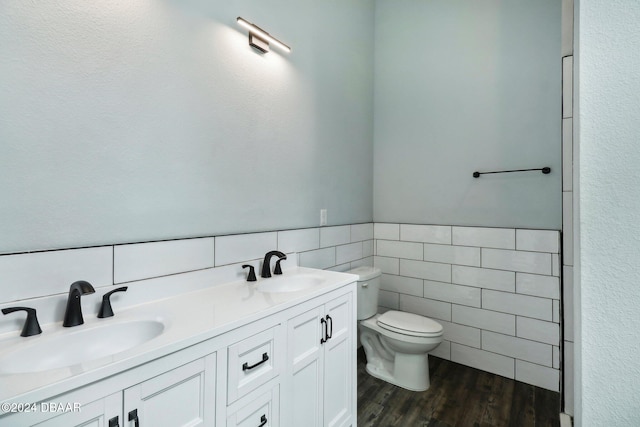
[292,366]
[253,373]
[320,371]
[170,395]
[94,414]
[182,397]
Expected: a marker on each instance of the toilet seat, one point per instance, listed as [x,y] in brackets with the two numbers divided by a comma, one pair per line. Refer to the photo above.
[409,324]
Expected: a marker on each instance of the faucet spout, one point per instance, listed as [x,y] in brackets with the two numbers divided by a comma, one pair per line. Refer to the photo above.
[73,313]
[266,264]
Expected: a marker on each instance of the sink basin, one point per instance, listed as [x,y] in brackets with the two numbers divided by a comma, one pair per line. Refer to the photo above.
[293,283]
[71,347]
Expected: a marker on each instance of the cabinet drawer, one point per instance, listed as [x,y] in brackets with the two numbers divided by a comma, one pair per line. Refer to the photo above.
[252,362]
[257,411]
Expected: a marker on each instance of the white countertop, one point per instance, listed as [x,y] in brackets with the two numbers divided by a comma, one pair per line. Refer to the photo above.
[189,318]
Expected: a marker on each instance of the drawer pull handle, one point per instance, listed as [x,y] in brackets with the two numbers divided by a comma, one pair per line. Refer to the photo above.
[113,422]
[246,367]
[323,323]
[330,325]
[133,416]
[263,421]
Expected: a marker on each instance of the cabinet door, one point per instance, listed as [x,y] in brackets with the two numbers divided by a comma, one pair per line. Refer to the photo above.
[338,363]
[184,396]
[304,369]
[94,414]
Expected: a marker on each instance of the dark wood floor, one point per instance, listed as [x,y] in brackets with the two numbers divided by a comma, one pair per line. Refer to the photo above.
[459,396]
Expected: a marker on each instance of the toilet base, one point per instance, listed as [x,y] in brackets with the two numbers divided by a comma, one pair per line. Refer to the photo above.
[409,371]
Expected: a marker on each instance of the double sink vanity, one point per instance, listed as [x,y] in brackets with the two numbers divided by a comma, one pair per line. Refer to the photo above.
[278,351]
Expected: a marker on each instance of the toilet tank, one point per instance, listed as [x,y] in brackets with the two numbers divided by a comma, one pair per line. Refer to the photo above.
[368,287]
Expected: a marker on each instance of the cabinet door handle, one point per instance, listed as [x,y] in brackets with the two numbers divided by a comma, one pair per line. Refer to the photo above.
[324,331]
[133,416]
[330,324]
[246,367]
[114,422]
[263,421]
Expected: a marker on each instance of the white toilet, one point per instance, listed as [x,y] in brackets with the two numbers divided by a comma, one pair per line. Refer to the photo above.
[395,343]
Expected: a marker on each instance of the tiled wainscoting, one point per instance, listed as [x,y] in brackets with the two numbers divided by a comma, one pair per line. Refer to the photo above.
[496,291]
[41,279]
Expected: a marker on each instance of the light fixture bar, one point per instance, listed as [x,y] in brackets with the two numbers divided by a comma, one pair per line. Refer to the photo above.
[263,35]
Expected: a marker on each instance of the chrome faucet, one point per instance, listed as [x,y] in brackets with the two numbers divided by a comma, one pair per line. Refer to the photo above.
[266,264]
[73,314]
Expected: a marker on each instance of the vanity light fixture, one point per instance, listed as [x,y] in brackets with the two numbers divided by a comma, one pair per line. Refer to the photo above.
[260,39]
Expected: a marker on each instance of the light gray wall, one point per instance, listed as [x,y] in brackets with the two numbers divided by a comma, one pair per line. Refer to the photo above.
[607,296]
[146,120]
[462,86]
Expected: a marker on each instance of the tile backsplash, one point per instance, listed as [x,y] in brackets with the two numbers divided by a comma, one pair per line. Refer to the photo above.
[496,291]
[41,279]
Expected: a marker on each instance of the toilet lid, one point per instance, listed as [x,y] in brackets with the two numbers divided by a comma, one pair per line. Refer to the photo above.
[409,324]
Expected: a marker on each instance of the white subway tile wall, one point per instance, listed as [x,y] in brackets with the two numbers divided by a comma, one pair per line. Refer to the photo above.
[537,285]
[320,258]
[387,265]
[425,270]
[333,236]
[434,309]
[348,253]
[484,278]
[402,285]
[42,279]
[567,87]
[568,150]
[484,360]
[567,154]
[538,240]
[306,239]
[525,305]
[496,292]
[242,247]
[567,224]
[425,233]
[386,231]
[145,260]
[38,274]
[501,238]
[361,232]
[537,375]
[568,302]
[525,262]
[407,250]
[459,255]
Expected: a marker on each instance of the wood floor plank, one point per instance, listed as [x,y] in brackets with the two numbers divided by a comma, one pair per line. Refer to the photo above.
[458,396]
[477,401]
[522,409]
[459,385]
[545,404]
[498,407]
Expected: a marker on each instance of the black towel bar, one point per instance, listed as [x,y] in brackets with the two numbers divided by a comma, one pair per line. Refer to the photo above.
[544,170]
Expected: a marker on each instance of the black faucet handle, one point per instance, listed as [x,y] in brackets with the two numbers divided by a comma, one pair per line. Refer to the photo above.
[278,269]
[251,277]
[105,307]
[31,325]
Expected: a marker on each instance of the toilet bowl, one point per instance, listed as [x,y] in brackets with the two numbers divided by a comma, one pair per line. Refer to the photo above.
[395,343]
